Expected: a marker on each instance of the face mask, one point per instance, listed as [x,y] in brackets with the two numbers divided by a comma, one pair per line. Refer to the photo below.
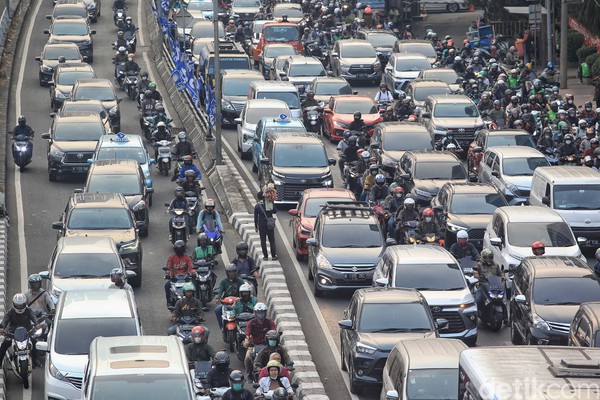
[272,343]
[428,219]
[237,387]
[198,340]
[588,109]
[399,195]
[261,315]
[547,136]
[570,101]
[567,141]
[373,172]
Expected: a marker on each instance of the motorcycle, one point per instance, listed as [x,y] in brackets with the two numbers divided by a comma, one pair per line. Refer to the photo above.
[163,156]
[569,160]
[185,324]
[207,280]
[193,207]
[201,369]
[179,227]
[19,354]
[130,84]
[551,155]
[313,117]
[131,39]
[411,232]
[229,321]
[22,150]
[352,178]
[177,282]
[432,239]
[242,321]
[120,74]
[215,239]
[149,125]
[383,105]
[466,265]
[119,18]
[490,312]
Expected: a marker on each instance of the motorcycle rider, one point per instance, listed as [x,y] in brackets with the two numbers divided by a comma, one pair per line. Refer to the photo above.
[244,263]
[485,104]
[153,92]
[588,112]
[443,143]
[341,148]
[22,129]
[131,65]
[178,263]
[218,376]
[538,248]
[191,184]
[273,381]
[237,391]
[394,204]
[229,286]
[550,74]
[389,116]
[512,57]
[283,371]
[116,277]
[463,248]
[117,5]
[383,95]
[350,151]
[209,214]
[187,306]
[429,225]
[586,141]
[199,349]
[546,141]
[368,180]
[246,302]
[406,214]
[567,148]
[147,106]
[183,146]
[459,65]
[262,358]
[143,82]
[19,315]
[129,26]
[597,265]
[39,300]
[497,114]
[485,267]
[230,28]
[357,123]
[404,110]
[188,165]
[121,41]
[380,190]
[407,33]
[160,133]
[179,203]
[256,332]
[309,102]
[119,61]
[590,151]
[203,251]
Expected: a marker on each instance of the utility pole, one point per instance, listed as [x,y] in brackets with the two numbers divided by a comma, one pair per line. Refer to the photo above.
[549,31]
[217,91]
[564,26]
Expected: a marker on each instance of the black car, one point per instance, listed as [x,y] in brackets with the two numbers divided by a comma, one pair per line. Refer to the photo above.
[377,319]
[49,59]
[381,39]
[294,162]
[391,140]
[346,244]
[73,30]
[546,295]
[92,6]
[64,77]
[69,10]
[125,177]
[468,207]
[423,172]
[104,91]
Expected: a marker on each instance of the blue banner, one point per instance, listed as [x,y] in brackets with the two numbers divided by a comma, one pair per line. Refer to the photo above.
[211,106]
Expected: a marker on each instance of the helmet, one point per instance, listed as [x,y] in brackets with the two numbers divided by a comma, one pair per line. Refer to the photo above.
[509,92]
[462,235]
[245,288]
[487,256]
[188,287]
[550,65]
[179,247]
[19,303]
[582,122]
[231,268]
[236,380]
[34,281]
[272,336]
[365,155]
[409,203]
[144,74]
[280,394]
[451,146]
[260,310]
[161,124]
[382,85]
[497,103]
[357,114]
[555,89]
[514,99]
[191,173]
[514,71]
[148,93]
[518,122]
[120,33]
[588,105]
[568,137]
[537,83]
[128,18]
[203,237]
[379,179]
[116,272]
[428,212]
[21,119]
[310,94]
[182,136]
[152,85]
[241,246]
[597,254]
[512,49]
[352,141]
[61,59]
[188,158]
[594,141]
[221,358]
[347,135]
[179,192]
[198,332]
[131,55]
[273,363]
[122,50]
[547,130]
[457,59]
[537,245]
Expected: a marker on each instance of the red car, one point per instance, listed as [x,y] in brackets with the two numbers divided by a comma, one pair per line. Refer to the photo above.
[339,114]
[309,205]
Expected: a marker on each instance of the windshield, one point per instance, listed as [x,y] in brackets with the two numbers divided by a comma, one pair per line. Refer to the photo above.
[69,53]
[92,265]
[402,141]
[184,21]
[237,86]
[99,218]
[74,336]
[356,235]
[254,114]
[300,155]
[94,93]
[364,106]
[381,40]
[332,89]
[522,166]
[411,64]
[127,185]
[229,63]
[314,205]
[443,74]
[307,70]
[431,384]
[290,12]
[358,51]
[279,50]
[430,277]
[576,197]
[204,30]
[420,48]
[570,290]
[555,234]
[200,6]
[77,106]
[284,33]
[69,78]
[476,203]
[142,386]
[510,140]
[290,98]
[461,110]
[80,131]
[422,92]
[377,317]
[437,170]
[70,28]
[247,3]
[122,153]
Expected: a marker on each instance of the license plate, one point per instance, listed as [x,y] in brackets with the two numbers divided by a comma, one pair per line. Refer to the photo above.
[467,270]
[23,353]
[354,277]
[79,169]
[362,75]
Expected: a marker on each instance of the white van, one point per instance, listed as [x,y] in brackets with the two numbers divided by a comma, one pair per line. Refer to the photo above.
[573,192]
[422,369]
[277,90]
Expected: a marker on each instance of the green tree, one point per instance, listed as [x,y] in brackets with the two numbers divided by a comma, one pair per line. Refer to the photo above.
[589,15]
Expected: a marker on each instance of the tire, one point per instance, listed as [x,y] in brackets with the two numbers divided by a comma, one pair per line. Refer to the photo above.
[52,176]
[21,168]
[254,168]
[354,386]
[496,323]
[342,358]
[318,292]
[150,200]
[515,337]
[137,280]
[24,373]
[452,7]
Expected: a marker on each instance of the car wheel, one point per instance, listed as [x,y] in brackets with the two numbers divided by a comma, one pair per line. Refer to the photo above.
[452,7]
[245,155]
[471,342]
[515,337]
[52,176]
[239,146]
[318,292]
[137,280]
[342,358]
[150,200]
[310,275]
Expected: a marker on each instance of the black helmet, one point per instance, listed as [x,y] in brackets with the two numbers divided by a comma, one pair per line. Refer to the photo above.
[144,74]
[588,105]
[241,247]
[310,94]
[357,114]
[221,359]
[236,377]
[280,394]
[22,120]
[352,141]
[231,268]
[179,192]
[179,247]
[514,99]
[547,130]
[272,335]
[61,59]
[487,256]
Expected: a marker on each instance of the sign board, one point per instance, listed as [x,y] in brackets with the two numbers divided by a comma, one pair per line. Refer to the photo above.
[535,14]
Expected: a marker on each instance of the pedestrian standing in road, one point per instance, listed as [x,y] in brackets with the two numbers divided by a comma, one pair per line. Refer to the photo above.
[264,224]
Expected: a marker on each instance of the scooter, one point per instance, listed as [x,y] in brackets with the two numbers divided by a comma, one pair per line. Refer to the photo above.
[201,369]
[242,322]
[163,156]
[179,227]
[411,233]
[490,312]
[313,117]
[131,39]
[193,207]
[215,239]
[120,74]
[22,150]
[177,283]
[130,84]
[467,264]
[119,18]
[207,280]
[229,321]
[18,356]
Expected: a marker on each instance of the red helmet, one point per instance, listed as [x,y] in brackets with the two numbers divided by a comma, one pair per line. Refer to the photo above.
[398,189]
[198,331]
[359,152]
[428,212]
[538,245]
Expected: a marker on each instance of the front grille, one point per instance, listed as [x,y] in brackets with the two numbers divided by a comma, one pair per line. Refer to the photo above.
[476,234]
[461,132]
[75,381]
[377,370]
[363,69]
[78,158]
[521,193]
[238,106]
[455,321]
[290,191]
[586,229]
[559,327]
[351,267]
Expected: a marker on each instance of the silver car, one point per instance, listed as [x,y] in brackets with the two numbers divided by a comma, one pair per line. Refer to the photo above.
[355,60]
[401,69]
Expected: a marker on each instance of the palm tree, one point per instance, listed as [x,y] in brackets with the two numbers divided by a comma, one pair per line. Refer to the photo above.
[589,15]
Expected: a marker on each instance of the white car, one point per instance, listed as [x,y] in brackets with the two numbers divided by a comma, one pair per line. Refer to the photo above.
[254,110]
[444,5]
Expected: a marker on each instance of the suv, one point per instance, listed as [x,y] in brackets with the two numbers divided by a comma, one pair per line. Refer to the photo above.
[381,39]
[294,162]
[546,295]
[346,243]
[81,316]
[269,53]
[457,113]
[231,56]
[268,125]
[63,79]
[497,137]
[71,142]
[301,70]
[104,91]
[423,47]
[234,91]
[375,320]
[105,214]
[401,69]
[436,274]
[73,30]
[419,89]
[355,60]
[125,177]
[49,59]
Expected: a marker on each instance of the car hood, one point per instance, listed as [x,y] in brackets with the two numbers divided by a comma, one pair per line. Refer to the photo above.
[384,49]
[367,61]
[522,182]
[81,283]
[579,218]
[432,186]
[301,80]
[471,221]
[83,146]
[393,154]
[369,119]
[449,298]
[356,255]
[458,122]
[119,236]
[72,365]
[386,341]
[69,38]
[301,172]
[571,251]
[555,313]
[64,89]
[245,10]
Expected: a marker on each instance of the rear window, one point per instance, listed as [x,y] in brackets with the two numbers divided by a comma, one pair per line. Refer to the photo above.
[97,265]
[290,98]
[74,336]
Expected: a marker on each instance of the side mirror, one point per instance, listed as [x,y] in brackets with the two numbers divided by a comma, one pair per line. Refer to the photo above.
[355,92]
[426,115]
[382,282]
[293,212]
[390,242]
[438,208]
[441,323]
[44,274]
[58,225]
[265,161]
[140,224]
[49,17]
[84,58]
[152,161]
[52,114]
[78,190]
[496,174]
[311,242]
[332,161]
[46,136]
[375,146]
[42,346]
[405,176]
[238,121]
[472,177]
[130,274]
[520,299]
[329,73]
[149,190]
[546,200]
[119,99]
[391,395]
[496,242]
[51,83]
[46,31]
[90,161]
[93,32]
[282,74]
[477,149]
[345,324]
[167,204]
[38,58]
[581,240]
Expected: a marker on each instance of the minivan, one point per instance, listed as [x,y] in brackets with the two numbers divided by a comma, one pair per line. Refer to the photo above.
[574,193]
[585,328]
[81,316]
[146,367]
[277,90]
[422,368]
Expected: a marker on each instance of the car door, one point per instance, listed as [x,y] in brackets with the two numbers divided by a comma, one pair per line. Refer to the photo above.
[328,116]
[485,170]
[313,250]
[350,334]
[519,311]
[241,126]
[388,74]
[256,142]
[580,334]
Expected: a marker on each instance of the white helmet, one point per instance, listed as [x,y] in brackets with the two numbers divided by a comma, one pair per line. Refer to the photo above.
[245,288]
[462,235]
[457,59]
[365,155]
[451,146]
[409,202]
[19,303]
[161,123]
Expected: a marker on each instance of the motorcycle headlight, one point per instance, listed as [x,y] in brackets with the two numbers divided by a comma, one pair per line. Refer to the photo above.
[422,193]
[46,68]
[539,323]
[364,348]
[227,105]
[139,206]
[113,111]
[56,373]
[455,228]
[340,124]
[322,262]
[57,153]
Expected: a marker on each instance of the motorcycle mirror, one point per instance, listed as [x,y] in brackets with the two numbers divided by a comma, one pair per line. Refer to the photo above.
[238,121]
[58,225]
[167,204]
[85,58]
[293,212]
[382,282]
[332,161]
[149,190]
[311,242]
[78,190]
[391,395]
[165,268]
[50,83]
[38,58]
[329,73]
[441,323]
[44,274]
[581,240]
[152,161]
[355,92]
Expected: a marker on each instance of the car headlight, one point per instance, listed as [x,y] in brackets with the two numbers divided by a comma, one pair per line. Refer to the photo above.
[511,189]
[46,68]
[365,349]
[345,66]
[227,105]
[60,95]
[128,246]
[516,257]
[539,323]
[113,111]
[328,183]
[56,291]
[377,65]
[304,231]
[340,124]
[56,373]
[277,174]
[455,228]
[422,193]
[139,206]
[57,153]
[467,306]
[322,262]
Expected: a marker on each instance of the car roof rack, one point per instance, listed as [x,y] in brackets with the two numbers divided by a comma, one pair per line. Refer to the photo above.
[346,209]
